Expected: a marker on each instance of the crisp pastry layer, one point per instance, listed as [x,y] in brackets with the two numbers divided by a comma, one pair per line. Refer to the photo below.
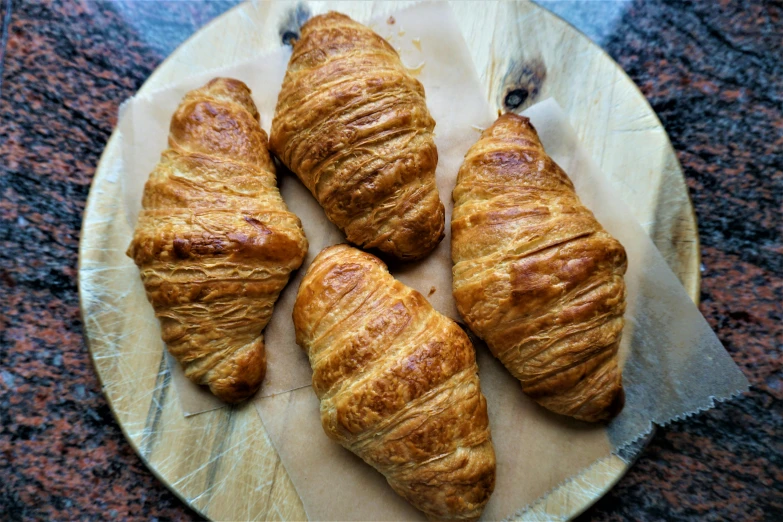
[215,243]
[398,383]
[536,276]
[353,125]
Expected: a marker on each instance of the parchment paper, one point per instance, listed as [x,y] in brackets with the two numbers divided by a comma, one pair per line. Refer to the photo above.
[673,363]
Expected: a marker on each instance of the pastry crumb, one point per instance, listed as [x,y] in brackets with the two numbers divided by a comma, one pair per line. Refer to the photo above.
[417,43]
[416,70]
[432,291]
[391,20]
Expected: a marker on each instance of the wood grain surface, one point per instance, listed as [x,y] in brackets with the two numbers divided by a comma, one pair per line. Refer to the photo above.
[221,462]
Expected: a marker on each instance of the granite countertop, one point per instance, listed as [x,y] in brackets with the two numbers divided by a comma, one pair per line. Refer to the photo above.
[713,72]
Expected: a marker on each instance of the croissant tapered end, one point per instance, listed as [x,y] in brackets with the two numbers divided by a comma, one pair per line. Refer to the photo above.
[353,125]
[220,120]
[398,383]
[215,243]
[237,378]
[536,276]
[592,401]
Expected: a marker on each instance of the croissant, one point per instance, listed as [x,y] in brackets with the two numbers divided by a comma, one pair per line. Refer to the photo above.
[354,127]
[215,243]
[398,383]
[536,276]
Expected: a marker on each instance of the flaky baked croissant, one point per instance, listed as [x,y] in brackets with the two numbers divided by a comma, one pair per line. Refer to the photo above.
[536,276]
[215,243]
[398,383]
[352,123]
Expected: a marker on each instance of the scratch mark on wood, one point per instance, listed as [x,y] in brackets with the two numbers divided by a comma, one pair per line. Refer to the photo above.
[152,424]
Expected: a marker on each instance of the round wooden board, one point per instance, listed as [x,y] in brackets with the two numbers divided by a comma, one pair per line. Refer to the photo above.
[221,463]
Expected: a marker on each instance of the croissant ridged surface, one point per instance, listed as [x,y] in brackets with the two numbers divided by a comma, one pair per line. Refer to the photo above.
[536,276]
[398,383]
[353,125]
[215,243]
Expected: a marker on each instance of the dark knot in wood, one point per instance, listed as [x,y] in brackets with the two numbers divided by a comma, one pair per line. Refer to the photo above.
[292,23]
[515,98]
[522,83]
[289,37]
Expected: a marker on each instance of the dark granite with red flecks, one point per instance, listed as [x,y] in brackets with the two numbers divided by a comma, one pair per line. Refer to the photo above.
[713,71]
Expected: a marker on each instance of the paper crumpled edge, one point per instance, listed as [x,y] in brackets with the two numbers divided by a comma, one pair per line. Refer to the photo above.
[629,453]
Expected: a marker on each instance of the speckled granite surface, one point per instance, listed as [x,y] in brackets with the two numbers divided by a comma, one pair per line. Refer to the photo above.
[713,71]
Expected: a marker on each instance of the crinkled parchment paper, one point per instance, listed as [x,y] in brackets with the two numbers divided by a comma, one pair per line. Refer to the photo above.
[674,364]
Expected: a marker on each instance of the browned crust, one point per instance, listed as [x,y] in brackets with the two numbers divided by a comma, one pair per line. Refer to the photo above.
[215,243]
[536,276]
[398,383]
[353,125]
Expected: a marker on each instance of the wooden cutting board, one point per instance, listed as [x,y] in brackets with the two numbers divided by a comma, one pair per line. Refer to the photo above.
[221,463]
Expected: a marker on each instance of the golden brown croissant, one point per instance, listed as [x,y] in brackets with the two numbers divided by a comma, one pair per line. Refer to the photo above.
[398,383]
[536,276]
[353,125]
[215,243]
